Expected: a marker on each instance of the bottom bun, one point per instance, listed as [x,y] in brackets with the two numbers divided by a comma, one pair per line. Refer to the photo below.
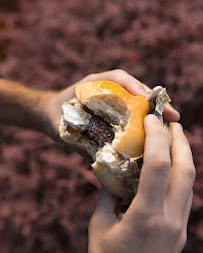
[112,182]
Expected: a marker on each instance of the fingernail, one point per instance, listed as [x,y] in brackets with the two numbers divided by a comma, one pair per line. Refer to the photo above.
[153,118]
[178,127]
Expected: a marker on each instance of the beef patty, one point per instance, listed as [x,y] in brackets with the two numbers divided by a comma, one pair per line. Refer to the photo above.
[100,130]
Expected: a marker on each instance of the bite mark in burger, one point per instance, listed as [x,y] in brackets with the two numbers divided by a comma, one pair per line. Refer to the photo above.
[106,121]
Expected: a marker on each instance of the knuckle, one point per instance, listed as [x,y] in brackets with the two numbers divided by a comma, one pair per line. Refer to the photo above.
[174,230]
[119,72]
[151,225]
[161,165]
[154,226]
[90,76]
[141,212]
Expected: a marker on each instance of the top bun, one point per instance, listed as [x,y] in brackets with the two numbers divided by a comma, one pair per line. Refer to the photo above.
[125,114]
[117,106]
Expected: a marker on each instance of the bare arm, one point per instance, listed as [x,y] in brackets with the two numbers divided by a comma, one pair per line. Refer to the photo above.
[22,106]
[41,110]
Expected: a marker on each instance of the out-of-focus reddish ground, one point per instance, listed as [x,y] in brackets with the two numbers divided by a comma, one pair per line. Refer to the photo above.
[47,193]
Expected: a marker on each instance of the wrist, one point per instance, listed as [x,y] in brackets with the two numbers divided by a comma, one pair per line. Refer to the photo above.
[48,113]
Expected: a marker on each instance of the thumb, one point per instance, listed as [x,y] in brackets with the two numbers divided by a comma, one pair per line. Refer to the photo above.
[106,202]
[105,215]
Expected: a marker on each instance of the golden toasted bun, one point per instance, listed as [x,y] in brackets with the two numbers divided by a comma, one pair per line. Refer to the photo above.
[125,113]
[130,142]
[112,182]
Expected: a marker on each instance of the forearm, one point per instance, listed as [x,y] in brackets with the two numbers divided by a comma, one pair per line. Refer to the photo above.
[22,106]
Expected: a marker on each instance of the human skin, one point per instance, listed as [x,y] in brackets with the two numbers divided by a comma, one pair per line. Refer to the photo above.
[41,110]
[157,218]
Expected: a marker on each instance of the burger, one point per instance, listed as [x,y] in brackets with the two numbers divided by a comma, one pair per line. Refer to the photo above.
[106,121]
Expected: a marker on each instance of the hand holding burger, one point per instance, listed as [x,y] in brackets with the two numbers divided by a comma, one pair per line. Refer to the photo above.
[156,221]
[103,119]
[51,105]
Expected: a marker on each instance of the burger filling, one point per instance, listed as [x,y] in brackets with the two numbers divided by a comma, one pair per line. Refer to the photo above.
[92,125]
[100,130]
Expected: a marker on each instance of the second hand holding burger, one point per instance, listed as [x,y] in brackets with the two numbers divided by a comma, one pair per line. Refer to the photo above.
[107,121]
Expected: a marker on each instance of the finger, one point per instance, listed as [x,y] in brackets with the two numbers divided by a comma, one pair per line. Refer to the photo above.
[181,242]
[103,218]
[148,90]
[155,171]
[105,215]
[182,171]
[128,82]
[107,201]
[170,114]
[133,86]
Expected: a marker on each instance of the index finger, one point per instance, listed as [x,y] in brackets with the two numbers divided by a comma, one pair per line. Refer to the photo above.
[156,168]
[133,86]
[121,77]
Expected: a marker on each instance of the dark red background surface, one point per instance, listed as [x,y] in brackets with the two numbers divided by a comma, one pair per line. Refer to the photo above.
[47,194]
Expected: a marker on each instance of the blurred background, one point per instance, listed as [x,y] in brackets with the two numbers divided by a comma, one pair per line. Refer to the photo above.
[47,193]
